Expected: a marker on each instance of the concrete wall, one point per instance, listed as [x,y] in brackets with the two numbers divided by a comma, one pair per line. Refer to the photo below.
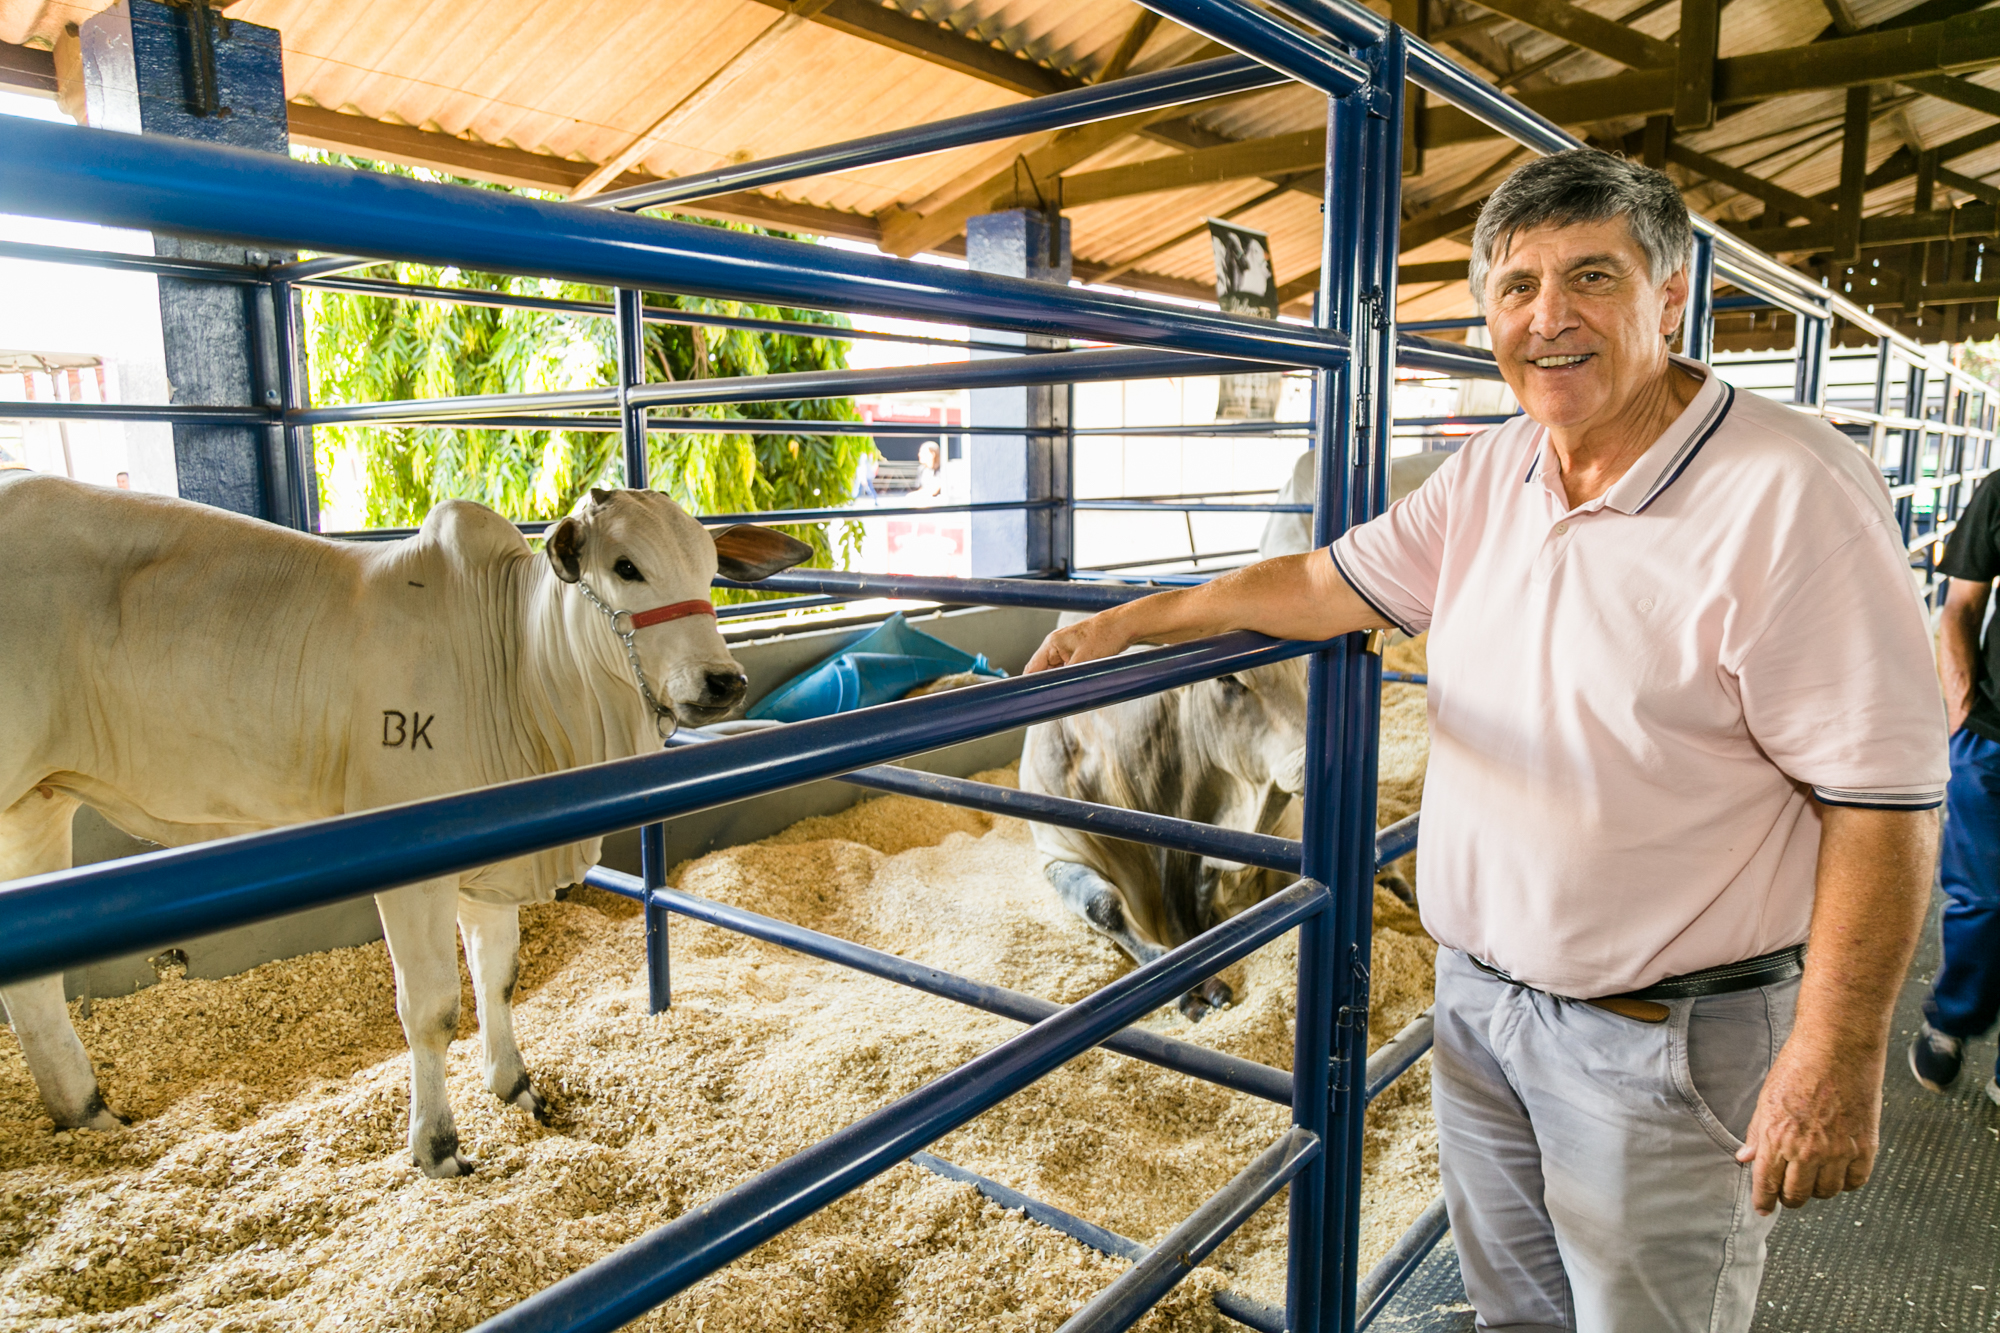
[1006,635]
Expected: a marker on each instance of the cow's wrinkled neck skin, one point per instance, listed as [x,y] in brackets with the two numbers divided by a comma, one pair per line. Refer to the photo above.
[569,639]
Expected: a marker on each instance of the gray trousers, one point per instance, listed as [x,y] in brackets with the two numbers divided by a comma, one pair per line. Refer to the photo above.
[1589,1160]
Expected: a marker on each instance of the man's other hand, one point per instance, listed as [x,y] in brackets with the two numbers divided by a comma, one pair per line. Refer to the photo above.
[1815,1131]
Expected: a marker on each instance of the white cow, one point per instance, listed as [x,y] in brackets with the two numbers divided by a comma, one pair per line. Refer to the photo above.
[192,674]
[1229,752]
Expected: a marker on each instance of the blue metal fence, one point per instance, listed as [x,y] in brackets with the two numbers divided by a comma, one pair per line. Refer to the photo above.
[1928,423]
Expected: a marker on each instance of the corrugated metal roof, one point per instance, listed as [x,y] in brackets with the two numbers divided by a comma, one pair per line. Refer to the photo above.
[584,81]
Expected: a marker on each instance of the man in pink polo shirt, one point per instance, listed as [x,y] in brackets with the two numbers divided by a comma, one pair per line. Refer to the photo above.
[1678,828]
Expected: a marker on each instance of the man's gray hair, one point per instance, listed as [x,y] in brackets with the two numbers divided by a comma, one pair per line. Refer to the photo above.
[1585,185]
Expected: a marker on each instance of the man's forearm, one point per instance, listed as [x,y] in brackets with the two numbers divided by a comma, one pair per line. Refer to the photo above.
[1291,597]
[1958,656]
[1873,884]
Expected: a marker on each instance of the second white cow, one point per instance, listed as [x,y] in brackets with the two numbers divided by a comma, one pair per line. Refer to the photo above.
[193,674]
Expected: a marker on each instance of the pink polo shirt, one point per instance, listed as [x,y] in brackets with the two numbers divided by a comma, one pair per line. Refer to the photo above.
[1631,700]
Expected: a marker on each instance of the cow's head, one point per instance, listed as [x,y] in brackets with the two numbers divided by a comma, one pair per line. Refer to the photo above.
[637,551]
[1254,724]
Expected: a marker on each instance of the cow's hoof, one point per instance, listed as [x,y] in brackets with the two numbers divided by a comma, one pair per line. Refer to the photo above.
[530,1101]
[440,1159]
[448,1166]
[1193,1007]
[1216,992]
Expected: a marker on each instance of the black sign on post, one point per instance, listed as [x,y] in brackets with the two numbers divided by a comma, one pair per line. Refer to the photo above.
[1245,285]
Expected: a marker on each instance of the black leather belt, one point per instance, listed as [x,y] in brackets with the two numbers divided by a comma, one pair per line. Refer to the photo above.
[1764,970]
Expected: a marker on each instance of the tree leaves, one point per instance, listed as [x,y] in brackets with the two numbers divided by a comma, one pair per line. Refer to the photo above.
[374,349]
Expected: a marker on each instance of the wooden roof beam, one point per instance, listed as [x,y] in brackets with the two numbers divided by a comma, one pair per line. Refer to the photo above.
[1591,32]
[1769,192]
[938,45]
[1963,44]
[1942,224]
[316,127]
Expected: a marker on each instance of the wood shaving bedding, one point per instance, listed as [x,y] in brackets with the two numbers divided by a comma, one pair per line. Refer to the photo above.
[265,1183]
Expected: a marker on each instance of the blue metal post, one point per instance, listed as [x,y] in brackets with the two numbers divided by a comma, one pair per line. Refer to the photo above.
[629,317]
[1698,334]
[1353,301]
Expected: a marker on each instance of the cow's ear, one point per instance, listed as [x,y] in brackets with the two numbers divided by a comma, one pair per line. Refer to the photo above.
[747,553]
[601,497]
[565,548]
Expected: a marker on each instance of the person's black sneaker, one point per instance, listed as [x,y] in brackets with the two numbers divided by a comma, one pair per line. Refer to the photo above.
[1935,1058]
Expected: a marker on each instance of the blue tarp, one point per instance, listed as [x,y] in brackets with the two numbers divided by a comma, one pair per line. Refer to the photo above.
[883,665]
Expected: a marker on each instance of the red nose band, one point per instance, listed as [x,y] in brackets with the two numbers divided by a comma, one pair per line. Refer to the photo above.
[659,615]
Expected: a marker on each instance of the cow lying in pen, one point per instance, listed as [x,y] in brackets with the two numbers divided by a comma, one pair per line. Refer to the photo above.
[193,674]
[1229,752]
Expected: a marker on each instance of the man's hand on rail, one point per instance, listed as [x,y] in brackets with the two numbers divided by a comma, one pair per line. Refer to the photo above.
[1291,597]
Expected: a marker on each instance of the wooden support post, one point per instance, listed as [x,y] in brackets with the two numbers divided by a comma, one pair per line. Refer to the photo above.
[1853,177]
[1694,73]
[1414,17]
[1917,269]
[1658,130]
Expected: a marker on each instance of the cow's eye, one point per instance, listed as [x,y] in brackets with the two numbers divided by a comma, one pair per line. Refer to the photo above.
[628,571]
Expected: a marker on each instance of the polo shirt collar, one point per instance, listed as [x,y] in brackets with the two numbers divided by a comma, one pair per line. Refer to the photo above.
[1664,460]
[1662,464]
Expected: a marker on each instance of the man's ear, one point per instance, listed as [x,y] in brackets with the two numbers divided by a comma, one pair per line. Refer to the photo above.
[565,548]
[746,553]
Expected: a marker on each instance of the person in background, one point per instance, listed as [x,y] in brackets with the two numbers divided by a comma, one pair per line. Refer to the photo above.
[123,481]
[930,479]
[864,478]
[1965,996]
[1679,817]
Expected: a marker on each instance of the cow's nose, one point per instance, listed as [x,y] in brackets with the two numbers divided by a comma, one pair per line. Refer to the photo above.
[727,686]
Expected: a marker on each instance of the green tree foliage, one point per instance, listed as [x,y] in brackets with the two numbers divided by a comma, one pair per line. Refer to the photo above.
[373,349]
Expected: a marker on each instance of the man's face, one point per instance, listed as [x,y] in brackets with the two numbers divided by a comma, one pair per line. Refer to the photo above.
[1579,327]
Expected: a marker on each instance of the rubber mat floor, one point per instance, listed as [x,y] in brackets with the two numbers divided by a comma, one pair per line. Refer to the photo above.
[1917,1250]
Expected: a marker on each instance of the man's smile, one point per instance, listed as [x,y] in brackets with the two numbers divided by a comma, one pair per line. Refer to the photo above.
[1558,362]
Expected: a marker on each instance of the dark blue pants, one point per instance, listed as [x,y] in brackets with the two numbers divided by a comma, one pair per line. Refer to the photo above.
[1965,998]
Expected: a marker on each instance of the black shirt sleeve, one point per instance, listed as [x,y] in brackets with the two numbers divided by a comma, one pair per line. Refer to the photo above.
[1972,552]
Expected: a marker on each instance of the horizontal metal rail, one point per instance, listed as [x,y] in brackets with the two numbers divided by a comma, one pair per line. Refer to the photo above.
[750,610]
[1406,677]
[1115,363]
[1262,37]
[1396,841]
[1220,428]
[1484,419]
[652,314]
[1083,106]
[1243,1309]
[1048,596]
[194,270]
[53,922]
[1196,506]
[1416,352]
[714,426]
[1136,1290]
[536,527]
[171,413]
[1394,1057]
[1380,1285]
[1229,1071]
[666,1261]
[1195,556]
[159,183]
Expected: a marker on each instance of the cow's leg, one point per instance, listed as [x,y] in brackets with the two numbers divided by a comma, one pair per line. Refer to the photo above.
[418,923]
[492,949]
[1096,900]
[34,839]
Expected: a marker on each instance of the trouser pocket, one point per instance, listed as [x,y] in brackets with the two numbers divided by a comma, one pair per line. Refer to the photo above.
[1721,1047]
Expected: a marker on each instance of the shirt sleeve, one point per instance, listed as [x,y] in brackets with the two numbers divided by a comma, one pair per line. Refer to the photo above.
[1840,689]
[1972,552]
[1392,561]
